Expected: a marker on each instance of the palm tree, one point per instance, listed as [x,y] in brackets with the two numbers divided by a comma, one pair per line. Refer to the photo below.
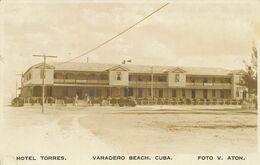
[250,76]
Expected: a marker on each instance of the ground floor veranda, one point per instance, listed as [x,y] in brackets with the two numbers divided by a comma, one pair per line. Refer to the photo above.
[137,92]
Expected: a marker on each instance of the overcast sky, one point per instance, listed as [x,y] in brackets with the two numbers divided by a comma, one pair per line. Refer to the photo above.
[181,34]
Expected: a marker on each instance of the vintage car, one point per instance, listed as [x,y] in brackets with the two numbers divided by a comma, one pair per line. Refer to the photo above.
[127,102]
[17,102]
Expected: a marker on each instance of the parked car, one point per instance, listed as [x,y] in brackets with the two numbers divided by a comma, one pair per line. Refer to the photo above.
[17,102]
[221,101]
[240,102]
[104,102]
[33,100]
[68,100]
[51,100]
[188,101]
[214,101]
[201,101]
[194,101]
[113,101]
[234,102]
[228,102]
[127,102]
[208,101]
[181,101]
[173,101]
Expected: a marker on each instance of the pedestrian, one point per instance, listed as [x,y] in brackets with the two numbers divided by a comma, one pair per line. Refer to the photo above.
[76,100]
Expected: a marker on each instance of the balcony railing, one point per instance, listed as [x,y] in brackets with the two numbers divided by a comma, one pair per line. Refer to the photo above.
[81,81]
[148,83]
[208,85]
[74,81]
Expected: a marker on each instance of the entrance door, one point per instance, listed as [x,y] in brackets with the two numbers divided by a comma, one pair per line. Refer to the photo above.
[193,93]
[91,92]
[79,92]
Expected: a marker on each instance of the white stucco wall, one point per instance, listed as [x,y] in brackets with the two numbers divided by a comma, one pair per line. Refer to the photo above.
[172,82]
[113,78]
[36,79]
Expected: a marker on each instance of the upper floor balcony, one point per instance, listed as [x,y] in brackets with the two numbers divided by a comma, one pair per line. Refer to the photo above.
[80,78]
[76,81]
[148,83]
[194,85]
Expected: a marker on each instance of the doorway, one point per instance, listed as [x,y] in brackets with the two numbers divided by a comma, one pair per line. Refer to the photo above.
[79,92]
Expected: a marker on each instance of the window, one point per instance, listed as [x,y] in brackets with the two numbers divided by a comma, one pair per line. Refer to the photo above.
[192,80]
[149,78]
[140,92]
[161,78]
[213,80]
[183,92]
[177,78]
[227,80]
[193,93]
[237,93]
[126,92]
[49,91]
[229,92]
[65,91]
[91,92]
[103,77]
[205,80]
[149,92]
[140,78]
[98,92]
[205,94]
[118,76]
[222,93]
[213,93]
[173,92]
[55,75]
[130,77]
[160,92]
[91,77]
[130,92]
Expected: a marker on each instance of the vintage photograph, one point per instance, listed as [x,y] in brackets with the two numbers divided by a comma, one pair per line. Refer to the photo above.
[88,82]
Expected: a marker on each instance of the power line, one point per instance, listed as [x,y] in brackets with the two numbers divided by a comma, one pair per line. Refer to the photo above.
[122,32]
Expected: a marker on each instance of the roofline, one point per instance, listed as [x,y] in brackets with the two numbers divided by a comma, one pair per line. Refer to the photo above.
[230,72]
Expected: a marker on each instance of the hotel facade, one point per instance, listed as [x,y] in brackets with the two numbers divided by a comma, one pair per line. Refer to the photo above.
[111,80]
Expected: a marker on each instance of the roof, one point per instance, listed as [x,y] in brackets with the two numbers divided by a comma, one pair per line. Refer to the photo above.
[99,67]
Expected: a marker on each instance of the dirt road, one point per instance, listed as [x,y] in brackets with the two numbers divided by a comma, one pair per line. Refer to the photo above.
[141,130]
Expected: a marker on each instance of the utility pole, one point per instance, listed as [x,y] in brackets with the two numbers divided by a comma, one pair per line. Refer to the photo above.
[124,62]
[152,83]
[43,76]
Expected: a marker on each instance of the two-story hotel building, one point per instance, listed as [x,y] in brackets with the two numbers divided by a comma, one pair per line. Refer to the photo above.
[104,80]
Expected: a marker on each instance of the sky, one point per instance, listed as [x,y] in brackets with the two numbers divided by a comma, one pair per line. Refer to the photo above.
[219,34]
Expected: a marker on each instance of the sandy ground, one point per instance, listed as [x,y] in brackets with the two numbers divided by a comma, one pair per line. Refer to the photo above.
[86,131]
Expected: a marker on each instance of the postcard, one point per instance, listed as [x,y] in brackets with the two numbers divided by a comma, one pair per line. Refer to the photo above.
[129,82]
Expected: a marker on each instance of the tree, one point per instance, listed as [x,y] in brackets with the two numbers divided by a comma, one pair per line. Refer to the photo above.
[249,79]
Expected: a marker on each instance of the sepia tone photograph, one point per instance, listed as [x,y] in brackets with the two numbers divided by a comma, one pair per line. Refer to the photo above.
[114,82]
